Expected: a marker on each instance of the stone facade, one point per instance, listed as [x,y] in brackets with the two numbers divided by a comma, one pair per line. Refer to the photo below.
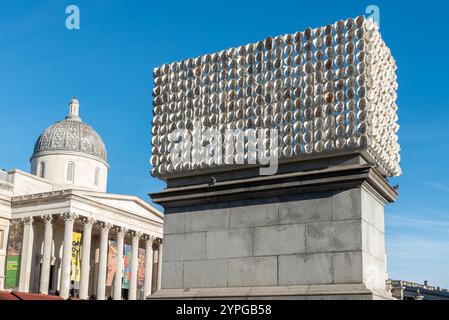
[406,290]
[64,194]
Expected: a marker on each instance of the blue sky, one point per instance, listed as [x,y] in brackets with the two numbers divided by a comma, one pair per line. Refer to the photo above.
[108,65]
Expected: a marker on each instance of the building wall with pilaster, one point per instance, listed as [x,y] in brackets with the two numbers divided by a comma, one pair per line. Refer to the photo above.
[5,220]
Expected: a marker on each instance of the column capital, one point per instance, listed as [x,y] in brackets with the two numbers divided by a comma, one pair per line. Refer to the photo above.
[149,238]
[135,234]
[69,216]
[120,231]
[27,220]
[47,218]
[104,226]
[158,241]
[87,221]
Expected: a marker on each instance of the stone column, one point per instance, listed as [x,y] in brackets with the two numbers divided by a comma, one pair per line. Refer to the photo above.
[148,266]
[3,259]
[120,234]
[102,264]
[27,254]
[85,257]
[46,257]
[69,220]
[134,266]
[159,264]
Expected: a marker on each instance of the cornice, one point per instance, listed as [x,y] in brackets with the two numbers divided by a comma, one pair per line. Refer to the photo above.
[71,194]
[42,197]
[68,152]
[327,179]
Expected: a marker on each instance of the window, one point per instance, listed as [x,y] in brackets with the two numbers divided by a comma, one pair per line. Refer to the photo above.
[97,176]
[42,169]
[70,171]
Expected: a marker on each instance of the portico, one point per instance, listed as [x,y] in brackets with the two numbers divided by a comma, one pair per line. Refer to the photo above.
[49,220]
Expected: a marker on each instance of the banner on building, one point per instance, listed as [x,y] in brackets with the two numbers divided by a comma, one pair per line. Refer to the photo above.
[141,269]
[76,257]
[12,271]
[127,253]
[127,266]
[112,262]
[13,255]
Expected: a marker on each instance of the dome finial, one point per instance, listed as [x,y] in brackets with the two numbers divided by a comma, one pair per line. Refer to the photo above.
[74,107]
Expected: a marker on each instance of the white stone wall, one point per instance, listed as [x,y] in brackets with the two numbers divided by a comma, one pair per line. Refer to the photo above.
[25,183]
[84,173]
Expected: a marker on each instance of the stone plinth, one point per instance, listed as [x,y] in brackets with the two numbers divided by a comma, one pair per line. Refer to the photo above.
[315,230]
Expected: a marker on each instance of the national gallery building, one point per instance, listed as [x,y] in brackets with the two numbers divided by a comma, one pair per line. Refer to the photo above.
[62,234]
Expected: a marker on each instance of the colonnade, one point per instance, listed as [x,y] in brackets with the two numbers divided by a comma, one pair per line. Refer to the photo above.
[105,229]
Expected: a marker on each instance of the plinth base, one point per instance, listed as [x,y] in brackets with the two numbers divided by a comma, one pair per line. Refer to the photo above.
[315,230]
[300,292]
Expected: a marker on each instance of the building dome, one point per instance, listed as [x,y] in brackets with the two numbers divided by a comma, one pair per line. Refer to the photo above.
[72,135]
[70,153]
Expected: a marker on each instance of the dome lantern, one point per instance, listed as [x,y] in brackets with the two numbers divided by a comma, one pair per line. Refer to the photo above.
[74,109]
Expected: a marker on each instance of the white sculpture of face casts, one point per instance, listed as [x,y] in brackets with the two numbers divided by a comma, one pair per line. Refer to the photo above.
[325,90]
